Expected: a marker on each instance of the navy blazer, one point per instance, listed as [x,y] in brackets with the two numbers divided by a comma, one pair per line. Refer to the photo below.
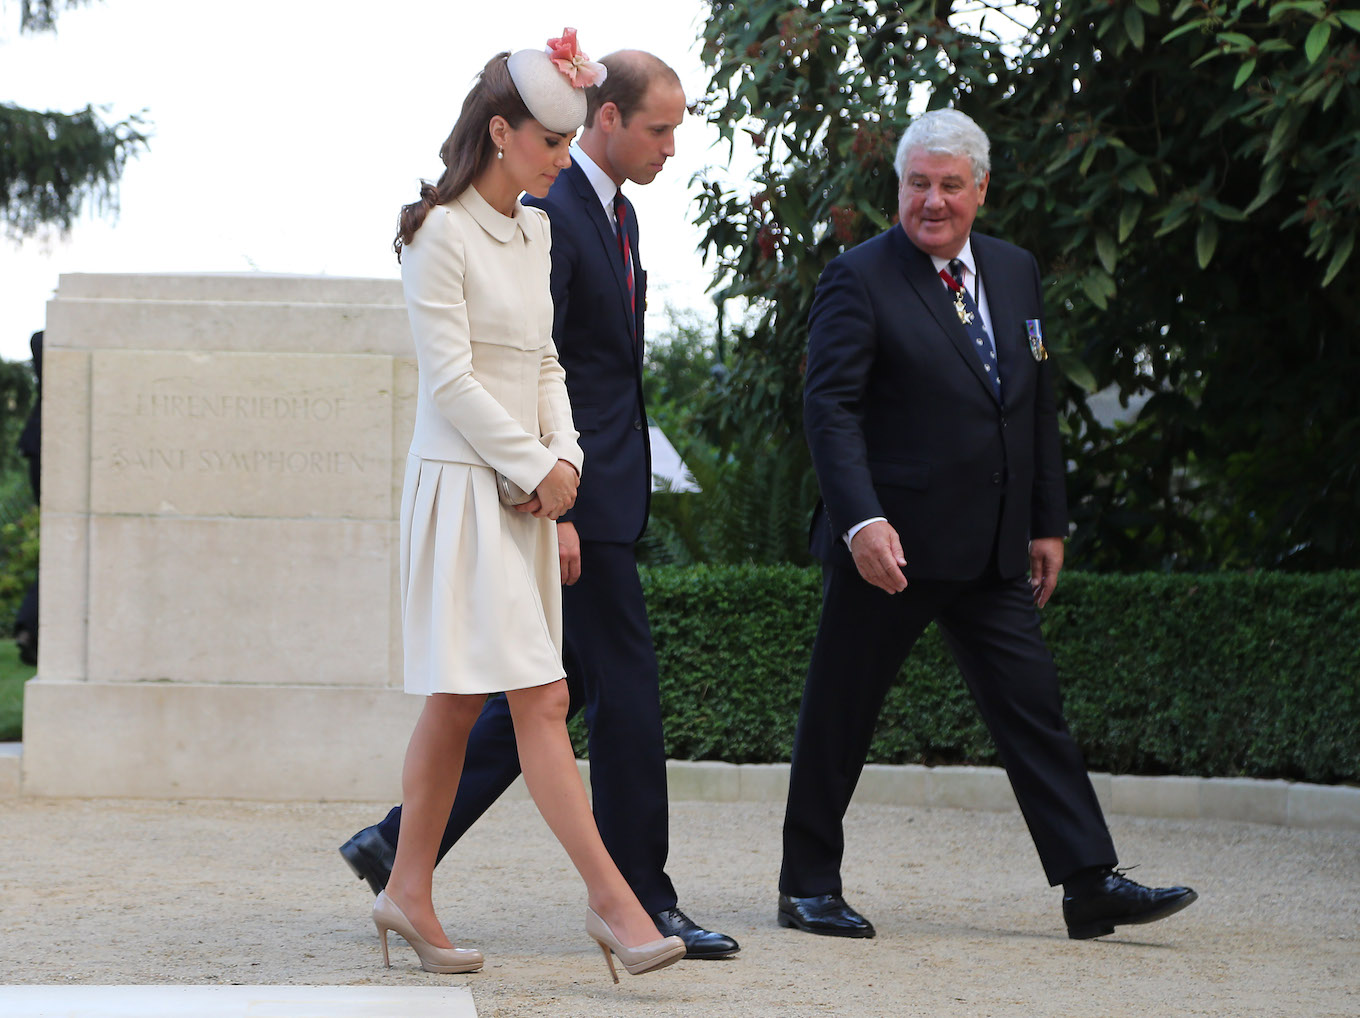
[599,342]
[902,421]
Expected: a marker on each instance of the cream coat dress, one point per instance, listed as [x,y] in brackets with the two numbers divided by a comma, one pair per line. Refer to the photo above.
[481,594]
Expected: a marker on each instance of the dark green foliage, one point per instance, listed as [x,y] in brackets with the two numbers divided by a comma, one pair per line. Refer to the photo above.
[1188,175]
[18,564]
[1254,675]
[52,164]
[757,490]
[13,674]
[18,388]
[732,645]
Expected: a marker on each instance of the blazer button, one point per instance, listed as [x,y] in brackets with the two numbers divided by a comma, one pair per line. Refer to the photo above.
[996,478]
[637,425]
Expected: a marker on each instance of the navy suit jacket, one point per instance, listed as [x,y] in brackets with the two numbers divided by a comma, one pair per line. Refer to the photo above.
[902,421]
[599,342]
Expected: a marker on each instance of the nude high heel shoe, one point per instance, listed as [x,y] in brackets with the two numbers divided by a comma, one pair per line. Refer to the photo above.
[648,957]
[386,916]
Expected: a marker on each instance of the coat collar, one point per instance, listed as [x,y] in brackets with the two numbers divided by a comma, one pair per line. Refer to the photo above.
[501,228]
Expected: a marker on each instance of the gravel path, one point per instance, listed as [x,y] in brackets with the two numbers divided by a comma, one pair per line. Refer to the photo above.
[130,891]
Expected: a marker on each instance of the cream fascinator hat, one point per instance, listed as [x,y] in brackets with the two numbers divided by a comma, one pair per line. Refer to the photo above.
[552,81]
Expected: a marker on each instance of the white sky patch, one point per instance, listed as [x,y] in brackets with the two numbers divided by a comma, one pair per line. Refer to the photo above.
[288,133]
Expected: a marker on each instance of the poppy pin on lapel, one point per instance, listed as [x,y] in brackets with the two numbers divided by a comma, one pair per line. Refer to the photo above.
[1035,332]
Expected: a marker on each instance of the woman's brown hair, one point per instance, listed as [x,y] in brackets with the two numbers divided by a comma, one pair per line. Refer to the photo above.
[468,148]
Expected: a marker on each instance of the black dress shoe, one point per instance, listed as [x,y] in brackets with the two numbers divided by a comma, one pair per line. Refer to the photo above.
[699,942]
[370,857]
[827,914]
[1112,899]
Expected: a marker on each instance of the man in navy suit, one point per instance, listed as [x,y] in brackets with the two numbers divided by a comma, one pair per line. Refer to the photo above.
[930,414]
[599,293]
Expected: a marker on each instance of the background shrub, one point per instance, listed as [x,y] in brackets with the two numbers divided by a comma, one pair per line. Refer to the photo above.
[1254,675]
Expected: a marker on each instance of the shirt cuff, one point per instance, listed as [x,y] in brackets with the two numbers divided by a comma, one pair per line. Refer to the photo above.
[850,534]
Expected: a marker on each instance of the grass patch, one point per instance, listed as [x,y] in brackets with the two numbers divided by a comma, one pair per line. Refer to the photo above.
[13,674]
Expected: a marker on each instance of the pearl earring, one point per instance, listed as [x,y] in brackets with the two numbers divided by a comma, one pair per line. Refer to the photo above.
[500,153]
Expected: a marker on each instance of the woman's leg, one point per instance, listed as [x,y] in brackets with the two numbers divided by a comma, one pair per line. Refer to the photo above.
[429,782]
[549,765]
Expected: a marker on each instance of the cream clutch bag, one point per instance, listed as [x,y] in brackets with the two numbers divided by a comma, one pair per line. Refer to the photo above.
[510,493]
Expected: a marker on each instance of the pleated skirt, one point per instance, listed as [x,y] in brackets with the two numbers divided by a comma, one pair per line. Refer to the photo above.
[481,591]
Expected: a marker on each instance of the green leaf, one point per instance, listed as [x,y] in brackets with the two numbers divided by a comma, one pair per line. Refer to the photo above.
[1128,218]
[1106,250]
[1237,39]
[1278,137]
[1351,19]
[1087,158]
[1270,185]
[1317,8]
[1078,373]
[1223,211]
[1243,73]
[1189,26]
[1139,177]
[1133,25]
[1339,257]
[1205,242]
[1317,41]
[872,214]
[1149,6]
[1093,293]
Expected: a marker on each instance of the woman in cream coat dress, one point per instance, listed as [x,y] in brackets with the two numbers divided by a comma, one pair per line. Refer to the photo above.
[481,583]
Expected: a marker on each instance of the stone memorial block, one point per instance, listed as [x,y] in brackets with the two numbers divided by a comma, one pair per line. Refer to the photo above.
[222,464]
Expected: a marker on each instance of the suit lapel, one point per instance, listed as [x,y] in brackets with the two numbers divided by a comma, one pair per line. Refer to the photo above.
[920,273]
[604,229]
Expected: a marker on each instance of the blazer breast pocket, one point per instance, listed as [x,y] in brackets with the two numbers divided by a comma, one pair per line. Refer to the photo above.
[901,473]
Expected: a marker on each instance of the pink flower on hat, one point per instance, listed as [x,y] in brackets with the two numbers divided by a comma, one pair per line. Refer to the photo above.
[580,70]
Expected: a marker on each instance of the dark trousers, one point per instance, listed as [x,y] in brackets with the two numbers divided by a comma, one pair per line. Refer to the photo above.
[992,628]
[612,675]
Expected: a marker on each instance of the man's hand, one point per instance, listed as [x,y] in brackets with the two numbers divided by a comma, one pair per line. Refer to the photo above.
[878,557]
[569,552]
[1045,563]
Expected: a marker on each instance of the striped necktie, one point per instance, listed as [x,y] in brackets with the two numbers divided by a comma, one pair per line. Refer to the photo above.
[625,248]
[968,313]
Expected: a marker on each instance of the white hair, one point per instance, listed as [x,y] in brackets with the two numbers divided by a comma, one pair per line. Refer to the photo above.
[946,132]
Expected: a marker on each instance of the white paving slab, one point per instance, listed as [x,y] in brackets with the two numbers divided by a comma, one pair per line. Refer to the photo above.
[236,1002]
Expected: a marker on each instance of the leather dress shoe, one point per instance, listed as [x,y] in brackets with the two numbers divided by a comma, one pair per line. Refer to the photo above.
[699,942]
[826,914]
[370,857]
[1115,900]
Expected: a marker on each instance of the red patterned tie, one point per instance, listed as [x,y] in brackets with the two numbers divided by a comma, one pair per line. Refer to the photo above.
[625,248]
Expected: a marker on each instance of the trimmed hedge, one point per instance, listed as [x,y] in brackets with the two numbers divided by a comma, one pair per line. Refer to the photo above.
[1254,675]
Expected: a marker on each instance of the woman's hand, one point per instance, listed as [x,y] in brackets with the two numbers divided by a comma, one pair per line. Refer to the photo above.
[556,493]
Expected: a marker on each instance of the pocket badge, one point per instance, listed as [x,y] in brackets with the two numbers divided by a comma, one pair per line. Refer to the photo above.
[1035,331]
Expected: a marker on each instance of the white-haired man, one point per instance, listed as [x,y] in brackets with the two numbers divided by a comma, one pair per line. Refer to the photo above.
[930,414]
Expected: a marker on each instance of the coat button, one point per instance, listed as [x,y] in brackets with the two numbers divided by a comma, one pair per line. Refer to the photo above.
[996,478]
[637,425]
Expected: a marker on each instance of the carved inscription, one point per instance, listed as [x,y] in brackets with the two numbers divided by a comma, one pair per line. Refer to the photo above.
[252,434]
[240,407]
[247,461]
